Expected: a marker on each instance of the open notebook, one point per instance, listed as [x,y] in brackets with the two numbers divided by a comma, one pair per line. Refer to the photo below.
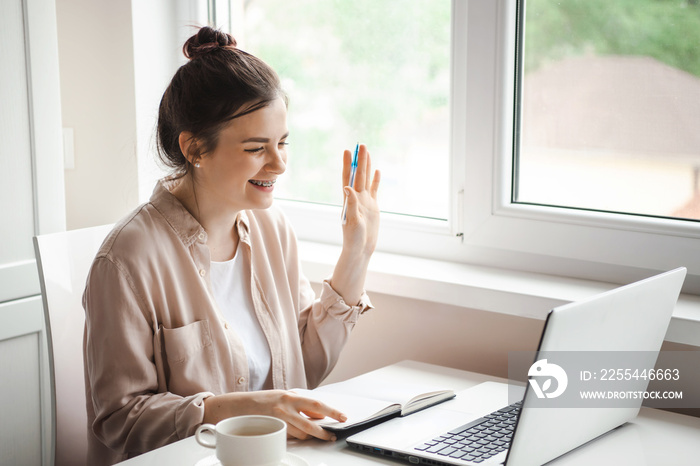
[367,403]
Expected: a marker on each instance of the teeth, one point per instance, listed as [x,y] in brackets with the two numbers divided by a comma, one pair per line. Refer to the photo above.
[267,184]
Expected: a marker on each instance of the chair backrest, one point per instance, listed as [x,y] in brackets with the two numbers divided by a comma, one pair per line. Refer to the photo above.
[64,260]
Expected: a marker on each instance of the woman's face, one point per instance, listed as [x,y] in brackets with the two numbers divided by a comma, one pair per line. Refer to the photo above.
[251,153]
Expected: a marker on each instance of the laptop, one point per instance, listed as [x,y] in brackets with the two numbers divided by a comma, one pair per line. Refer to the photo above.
[480,427]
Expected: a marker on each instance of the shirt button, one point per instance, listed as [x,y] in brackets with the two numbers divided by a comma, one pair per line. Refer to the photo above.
[202,272]
[241,380]
[201,236]
[226,325]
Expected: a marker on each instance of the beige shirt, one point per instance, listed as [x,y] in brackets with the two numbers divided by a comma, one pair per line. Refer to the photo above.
[156,345]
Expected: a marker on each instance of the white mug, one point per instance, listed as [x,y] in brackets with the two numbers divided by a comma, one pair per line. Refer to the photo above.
[247,440]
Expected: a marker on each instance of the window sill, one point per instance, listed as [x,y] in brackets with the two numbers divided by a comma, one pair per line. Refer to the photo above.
[516,293]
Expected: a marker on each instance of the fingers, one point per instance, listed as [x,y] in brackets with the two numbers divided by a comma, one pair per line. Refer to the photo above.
[302,427]
[352,207]
[361,172]
[347,166]
[294,432]
[316,413]
[375,184]
[368,172]
[317,409]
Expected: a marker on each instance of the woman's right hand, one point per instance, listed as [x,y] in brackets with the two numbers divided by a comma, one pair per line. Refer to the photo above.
[295,410]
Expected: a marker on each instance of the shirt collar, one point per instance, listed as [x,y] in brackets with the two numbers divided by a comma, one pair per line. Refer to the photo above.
[185,225]
[243,225]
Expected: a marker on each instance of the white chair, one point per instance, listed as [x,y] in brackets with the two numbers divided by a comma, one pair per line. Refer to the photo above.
[64,260]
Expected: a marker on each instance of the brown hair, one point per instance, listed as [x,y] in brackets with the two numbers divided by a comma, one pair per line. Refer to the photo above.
[219,83]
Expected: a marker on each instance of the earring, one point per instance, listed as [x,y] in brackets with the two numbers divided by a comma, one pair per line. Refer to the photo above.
[196,164]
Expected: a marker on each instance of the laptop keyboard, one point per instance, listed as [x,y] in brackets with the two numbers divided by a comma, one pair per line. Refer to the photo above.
[478,440]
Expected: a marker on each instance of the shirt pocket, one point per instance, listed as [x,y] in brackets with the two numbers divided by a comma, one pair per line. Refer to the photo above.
[188,352]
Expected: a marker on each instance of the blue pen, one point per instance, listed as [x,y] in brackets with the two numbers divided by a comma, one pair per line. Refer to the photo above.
[353,169]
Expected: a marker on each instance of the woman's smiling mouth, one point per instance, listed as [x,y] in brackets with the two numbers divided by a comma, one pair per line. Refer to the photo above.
[264,184]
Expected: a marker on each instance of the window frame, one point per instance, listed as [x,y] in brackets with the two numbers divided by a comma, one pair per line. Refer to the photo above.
[485,226]
[603,246]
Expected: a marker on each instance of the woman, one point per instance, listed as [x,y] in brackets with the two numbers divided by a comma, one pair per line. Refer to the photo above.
[196,307]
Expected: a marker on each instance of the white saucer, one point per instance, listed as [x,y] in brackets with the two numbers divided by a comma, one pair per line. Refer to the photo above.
[290,459]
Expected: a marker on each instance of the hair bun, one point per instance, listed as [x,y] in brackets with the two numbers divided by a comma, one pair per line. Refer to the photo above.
[206,40]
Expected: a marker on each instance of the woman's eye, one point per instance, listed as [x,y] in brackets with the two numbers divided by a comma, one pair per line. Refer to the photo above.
[254,151]
[283,144]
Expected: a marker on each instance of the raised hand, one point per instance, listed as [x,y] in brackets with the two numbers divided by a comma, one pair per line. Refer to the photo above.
[361,228]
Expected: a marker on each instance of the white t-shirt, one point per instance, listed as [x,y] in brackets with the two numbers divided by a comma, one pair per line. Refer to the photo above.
[229,282]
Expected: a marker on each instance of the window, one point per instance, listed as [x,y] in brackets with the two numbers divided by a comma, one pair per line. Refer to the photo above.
[585,243]
[610,106]
[375,72]
[498,211]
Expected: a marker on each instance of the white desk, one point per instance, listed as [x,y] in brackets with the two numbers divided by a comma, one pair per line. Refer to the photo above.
[655,437]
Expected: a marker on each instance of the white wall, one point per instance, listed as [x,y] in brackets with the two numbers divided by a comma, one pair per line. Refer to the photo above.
[160,28]
[116,59]
[400,328]
[96,61]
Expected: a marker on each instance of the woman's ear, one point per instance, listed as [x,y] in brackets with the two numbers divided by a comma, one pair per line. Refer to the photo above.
[188,146]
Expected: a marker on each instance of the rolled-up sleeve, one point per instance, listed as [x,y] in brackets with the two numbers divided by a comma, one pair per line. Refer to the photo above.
[121,342]
[324,326]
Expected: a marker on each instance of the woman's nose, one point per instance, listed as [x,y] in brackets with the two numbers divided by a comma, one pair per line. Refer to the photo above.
[278,162]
